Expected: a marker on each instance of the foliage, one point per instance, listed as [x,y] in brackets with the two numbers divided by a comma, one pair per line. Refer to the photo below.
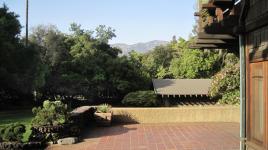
[104,108]
[226,80]
[80,64]
[141,99]
[52,113]
[204,17]
[231,98]
[194,64]
[18,64]
[51,44]
[12,132]
[104,34]
[22,116]
[225,84]
[176,60]
[156,62]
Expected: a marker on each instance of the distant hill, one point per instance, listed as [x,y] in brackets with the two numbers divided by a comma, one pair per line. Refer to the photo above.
[139,47]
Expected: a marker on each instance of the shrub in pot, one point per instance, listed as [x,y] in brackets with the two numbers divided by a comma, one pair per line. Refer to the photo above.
[51,121]
[103,115]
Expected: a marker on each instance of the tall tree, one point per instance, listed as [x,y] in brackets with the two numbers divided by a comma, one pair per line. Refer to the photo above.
[18,64]
[27,21]
[104,34]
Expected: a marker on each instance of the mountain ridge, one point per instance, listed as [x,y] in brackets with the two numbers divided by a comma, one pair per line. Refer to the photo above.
[141,47]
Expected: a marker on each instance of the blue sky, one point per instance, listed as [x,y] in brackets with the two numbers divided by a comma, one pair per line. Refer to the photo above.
[134,20]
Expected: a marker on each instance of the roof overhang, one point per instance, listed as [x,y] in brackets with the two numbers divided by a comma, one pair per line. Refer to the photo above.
[216,36]
[181,87]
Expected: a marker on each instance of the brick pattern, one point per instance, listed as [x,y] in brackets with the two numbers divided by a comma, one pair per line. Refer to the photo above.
[182,136]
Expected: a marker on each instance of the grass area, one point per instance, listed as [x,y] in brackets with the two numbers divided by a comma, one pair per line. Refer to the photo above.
[20,116]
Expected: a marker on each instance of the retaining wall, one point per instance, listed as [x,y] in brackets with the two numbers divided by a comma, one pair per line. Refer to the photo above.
[177,114]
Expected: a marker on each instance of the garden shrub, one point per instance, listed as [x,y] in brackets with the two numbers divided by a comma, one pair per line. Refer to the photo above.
[50,121]
[53,113]
[12,132]
[227,79]
[231,98]
[141,99]
[225,85]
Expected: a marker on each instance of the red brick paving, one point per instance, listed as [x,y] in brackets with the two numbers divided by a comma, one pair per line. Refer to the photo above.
[182,136]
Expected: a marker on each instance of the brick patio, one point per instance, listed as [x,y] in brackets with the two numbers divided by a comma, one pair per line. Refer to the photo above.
[182,136]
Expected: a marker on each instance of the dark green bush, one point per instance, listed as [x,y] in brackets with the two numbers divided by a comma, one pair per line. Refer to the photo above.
[141,99]
[231,98]
[12,132]
[52,113]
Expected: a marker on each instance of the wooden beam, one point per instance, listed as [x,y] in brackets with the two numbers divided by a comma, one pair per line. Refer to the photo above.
[214,41]
[203,35]
[208,6]
[213,46]
[206,45]
[197,14]
[224,4]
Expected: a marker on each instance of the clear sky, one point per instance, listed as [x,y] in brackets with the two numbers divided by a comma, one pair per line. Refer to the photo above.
[134,20]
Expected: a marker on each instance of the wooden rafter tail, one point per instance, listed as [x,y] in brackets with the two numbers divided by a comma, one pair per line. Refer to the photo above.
[203,35]
[215,41]
[197,14]
[208,6]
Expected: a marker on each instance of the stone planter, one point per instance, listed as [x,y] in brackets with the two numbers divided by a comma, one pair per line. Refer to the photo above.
[21,146]
[103,119]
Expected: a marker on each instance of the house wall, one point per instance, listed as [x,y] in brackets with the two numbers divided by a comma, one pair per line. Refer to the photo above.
[177,114]
[257,75]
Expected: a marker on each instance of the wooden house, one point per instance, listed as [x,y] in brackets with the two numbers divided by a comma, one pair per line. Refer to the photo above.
[242,26]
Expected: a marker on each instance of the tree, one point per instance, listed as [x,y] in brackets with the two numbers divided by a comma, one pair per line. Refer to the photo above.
[51,42]
[18,64]
[104,34]
[79,64]
[194,64]
[156,62]
[174,39]
[163,55]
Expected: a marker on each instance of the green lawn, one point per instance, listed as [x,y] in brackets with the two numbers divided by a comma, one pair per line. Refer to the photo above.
[21,116]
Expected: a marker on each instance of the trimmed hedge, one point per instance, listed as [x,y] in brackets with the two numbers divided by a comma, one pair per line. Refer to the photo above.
[12,132]
[141,99]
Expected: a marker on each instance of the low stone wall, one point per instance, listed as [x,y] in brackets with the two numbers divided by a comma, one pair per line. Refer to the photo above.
[177,114]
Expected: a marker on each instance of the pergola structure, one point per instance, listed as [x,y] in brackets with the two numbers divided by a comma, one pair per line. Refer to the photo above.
[217,23]
[181,87]
[242,26]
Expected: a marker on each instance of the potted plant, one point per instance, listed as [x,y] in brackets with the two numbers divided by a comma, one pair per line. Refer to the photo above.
[103,115]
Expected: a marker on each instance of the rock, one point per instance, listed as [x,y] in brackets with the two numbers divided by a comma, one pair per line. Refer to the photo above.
[67,141]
